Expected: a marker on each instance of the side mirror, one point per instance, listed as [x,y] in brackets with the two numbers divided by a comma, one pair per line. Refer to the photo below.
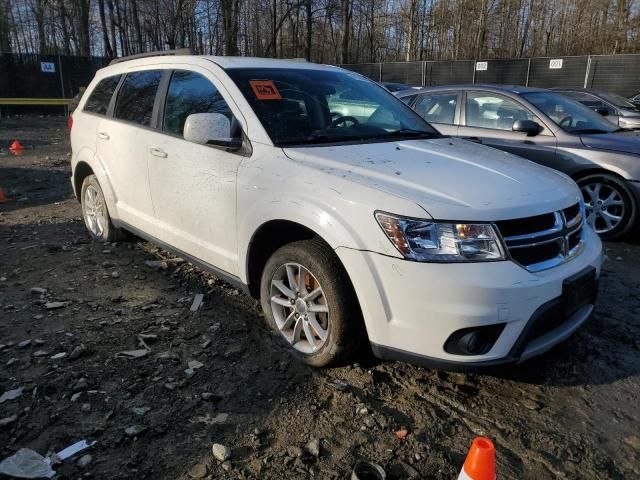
[210,129]
[602,111]
[529,127]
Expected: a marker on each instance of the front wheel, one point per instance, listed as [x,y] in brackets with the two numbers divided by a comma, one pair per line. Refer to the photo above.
[308,298]
[610,206]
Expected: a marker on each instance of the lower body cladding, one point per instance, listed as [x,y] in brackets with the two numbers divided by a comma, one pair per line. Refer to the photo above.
[462,316]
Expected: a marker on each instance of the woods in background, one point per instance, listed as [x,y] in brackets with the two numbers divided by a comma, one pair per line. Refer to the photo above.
[330,31]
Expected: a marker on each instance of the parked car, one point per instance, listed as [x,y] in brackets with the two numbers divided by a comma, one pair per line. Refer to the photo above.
[552,130]
[617,109]
[396,87]
[350,230]
[635,99]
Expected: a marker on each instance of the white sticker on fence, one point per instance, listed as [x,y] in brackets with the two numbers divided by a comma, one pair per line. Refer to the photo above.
[48,67]
[482,66]
[555,63]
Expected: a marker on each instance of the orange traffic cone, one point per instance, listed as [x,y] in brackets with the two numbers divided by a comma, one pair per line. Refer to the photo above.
[481,461]
[16,145]
[2,197]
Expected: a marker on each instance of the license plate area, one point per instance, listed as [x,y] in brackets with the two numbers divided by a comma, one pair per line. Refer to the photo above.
[579,290]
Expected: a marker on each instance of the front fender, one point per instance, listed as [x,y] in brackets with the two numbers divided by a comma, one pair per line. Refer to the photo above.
[86,156]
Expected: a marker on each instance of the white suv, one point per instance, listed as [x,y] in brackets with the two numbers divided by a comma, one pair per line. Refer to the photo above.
[350,217]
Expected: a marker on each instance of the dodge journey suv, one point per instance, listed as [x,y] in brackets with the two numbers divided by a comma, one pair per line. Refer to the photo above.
[362,228]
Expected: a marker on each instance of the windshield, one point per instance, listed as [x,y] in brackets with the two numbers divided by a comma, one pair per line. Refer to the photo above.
[617,100]
[307,107]
[571,116]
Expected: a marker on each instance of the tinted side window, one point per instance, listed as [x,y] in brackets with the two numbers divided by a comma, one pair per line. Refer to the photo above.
[490,110]
[99,99]
[137,95]
[437,108]
[190,92]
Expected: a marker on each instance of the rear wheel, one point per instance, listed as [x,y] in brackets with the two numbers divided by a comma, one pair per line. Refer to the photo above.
[610,207]
[308,298]
[95,213]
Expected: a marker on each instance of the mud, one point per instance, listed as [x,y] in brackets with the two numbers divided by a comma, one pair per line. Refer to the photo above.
[571,414]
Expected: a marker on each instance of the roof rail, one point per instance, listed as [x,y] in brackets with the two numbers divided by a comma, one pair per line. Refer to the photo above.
[179,51]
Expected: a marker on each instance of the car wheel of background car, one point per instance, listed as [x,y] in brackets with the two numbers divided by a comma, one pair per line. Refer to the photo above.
[611,209]
[307,296]
[95,213]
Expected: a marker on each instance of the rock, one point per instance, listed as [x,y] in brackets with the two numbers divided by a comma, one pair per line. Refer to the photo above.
[140,411]
[24,344]
[84,461]
[40,353]
[134,430]
[115,274]
[38,290]
[197,302]
[369,422]
[156,264]
[294,451]
[195,364]
[198,471]
[170,386]
[206,396]
[39,341]
[8,420]
[189,372]
[55,305]
[86,407]
[11,361]
[220,452]
[59,356]
[313,447]
[11,394]
[77,352]
[226,466]
[76,396]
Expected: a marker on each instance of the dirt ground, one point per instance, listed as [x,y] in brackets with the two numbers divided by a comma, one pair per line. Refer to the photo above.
[571,414]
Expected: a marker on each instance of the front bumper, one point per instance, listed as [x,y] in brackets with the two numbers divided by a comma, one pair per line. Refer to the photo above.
[412,308]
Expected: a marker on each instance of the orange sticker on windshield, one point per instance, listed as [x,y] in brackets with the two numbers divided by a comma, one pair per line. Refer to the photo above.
[265,90]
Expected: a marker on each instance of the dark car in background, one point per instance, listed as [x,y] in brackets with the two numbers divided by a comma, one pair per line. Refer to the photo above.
[396,87]
[550,129]
[617,109]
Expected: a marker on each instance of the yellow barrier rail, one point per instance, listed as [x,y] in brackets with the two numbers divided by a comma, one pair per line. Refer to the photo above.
[63,102]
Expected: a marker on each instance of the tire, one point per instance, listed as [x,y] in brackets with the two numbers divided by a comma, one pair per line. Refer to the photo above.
[95,212]
[335,310]
[611,208]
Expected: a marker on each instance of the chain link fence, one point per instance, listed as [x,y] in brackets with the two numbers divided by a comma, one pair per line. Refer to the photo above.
[614,73]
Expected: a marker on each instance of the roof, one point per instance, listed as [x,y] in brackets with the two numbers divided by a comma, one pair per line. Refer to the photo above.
[517,89]
[260,62]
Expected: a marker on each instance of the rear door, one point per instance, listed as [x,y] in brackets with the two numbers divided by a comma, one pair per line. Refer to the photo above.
[489,117]
[193,186]
[123,144]
[440,109]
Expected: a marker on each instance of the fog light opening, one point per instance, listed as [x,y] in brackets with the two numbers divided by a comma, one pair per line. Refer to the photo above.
[473,340]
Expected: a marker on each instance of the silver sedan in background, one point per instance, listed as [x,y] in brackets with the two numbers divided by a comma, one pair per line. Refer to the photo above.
[550,129]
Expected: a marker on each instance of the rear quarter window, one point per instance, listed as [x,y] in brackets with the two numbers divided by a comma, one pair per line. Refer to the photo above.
[100,97]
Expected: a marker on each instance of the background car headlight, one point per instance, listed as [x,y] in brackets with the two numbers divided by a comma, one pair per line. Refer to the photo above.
[428,241]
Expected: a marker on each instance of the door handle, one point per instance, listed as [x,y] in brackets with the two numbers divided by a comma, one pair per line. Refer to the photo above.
[103,135]
[158,152]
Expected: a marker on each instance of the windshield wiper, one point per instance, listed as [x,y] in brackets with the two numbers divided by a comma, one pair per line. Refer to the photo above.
[409,133]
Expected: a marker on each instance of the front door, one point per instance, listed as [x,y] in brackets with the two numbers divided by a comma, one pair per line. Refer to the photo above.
[193,186]
[489,118]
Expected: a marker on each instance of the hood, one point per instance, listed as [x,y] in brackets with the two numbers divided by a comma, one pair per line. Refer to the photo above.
[625,141]
[452,179]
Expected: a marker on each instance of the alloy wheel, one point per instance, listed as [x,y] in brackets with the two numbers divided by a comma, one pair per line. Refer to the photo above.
[95,211]
[604,204]
[299,307]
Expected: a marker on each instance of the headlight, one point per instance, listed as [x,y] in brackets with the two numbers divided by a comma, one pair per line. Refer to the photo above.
[428,241]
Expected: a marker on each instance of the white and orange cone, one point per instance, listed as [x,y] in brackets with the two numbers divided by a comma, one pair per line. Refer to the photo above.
[481,461]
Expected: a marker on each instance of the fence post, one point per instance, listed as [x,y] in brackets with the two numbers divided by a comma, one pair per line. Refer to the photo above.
[586,75]
[526,84]
[473,79]
[61,77]
[424,73]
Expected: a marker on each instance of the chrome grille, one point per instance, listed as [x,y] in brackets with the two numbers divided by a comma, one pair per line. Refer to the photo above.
[544,241]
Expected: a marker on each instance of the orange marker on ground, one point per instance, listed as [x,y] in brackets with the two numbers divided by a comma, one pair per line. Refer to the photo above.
[16,145]
[481,461]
